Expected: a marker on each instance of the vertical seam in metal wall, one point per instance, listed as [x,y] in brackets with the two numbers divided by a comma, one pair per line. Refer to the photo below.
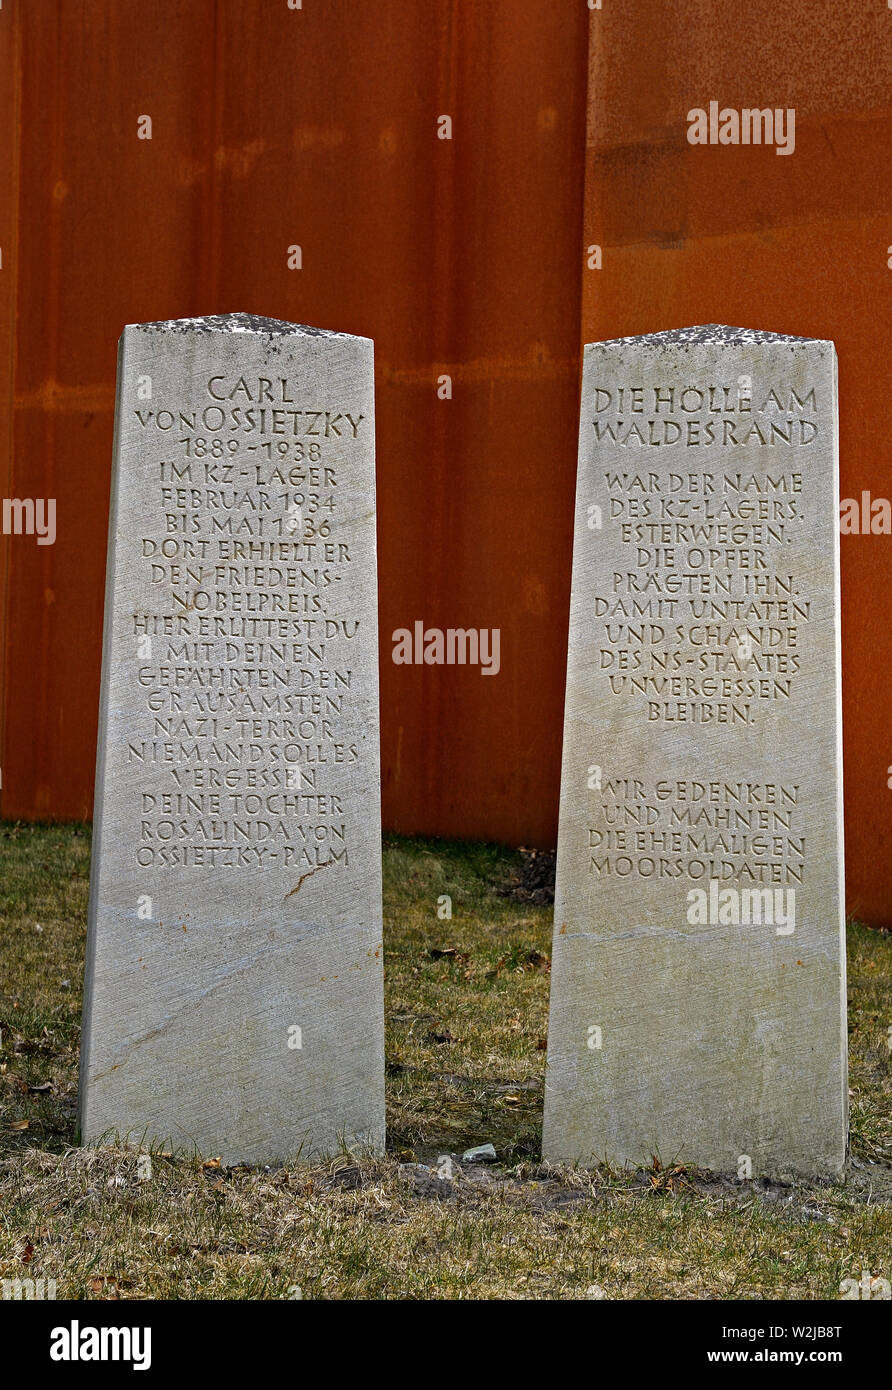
[582,265]
[446,232]
[587,184]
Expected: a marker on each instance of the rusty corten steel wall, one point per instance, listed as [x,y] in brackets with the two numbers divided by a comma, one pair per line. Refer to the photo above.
[317,127]
[796,244]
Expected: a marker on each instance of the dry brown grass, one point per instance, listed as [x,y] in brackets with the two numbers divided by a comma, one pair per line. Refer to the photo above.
[467,1002]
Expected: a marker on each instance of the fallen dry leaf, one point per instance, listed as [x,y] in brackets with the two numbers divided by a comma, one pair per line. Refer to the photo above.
[102,1284]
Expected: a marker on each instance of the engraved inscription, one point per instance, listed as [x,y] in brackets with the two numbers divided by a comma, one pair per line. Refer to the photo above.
[243,663]
[704,623]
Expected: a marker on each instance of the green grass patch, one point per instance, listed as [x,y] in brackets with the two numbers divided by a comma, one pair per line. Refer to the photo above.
[467,1014]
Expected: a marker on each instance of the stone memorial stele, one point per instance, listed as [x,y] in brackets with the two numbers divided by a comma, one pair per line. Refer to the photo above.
[234,1001]
[698,981]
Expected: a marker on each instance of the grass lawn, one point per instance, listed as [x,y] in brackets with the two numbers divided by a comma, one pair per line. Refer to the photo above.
[467,1010]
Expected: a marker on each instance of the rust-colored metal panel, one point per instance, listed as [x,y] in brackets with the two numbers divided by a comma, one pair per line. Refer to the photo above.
[107,233]
[796,243]
[317,128]
[10,94]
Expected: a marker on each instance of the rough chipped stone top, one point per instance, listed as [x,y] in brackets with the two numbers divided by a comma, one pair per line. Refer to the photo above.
[718,333]
[237,323]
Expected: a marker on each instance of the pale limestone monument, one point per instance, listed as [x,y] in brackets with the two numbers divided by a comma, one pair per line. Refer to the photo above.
[234,1001]
[698,1004]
